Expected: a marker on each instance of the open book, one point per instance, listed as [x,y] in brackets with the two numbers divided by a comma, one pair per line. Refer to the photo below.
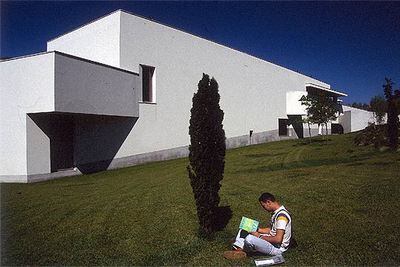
[248,224]
[278,259]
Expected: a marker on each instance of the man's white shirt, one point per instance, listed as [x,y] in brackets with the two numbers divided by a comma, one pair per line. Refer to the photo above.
[281,220]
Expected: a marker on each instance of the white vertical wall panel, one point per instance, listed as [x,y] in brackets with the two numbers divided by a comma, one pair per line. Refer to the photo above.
[37,149]
[27,85]
[97,41]
[293,105]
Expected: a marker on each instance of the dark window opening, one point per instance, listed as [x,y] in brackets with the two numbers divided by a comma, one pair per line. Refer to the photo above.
[283,129]
[336,128]
[148,83]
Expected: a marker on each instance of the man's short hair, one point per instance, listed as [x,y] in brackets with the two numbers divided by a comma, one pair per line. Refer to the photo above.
[266,196]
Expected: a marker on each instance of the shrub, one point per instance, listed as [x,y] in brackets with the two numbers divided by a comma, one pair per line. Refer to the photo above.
[374,135]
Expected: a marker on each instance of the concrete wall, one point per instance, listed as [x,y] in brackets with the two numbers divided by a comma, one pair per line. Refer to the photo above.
[90,88]
[97,41]
[359,119]
[27,85]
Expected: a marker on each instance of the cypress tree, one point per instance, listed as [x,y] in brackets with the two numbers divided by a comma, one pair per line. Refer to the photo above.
[206,152]
[392,114]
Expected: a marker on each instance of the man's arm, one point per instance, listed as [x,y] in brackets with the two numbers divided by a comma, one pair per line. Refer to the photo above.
[265,230]
[277,239]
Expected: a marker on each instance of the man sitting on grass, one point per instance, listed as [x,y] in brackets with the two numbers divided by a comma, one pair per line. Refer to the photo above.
[272,240]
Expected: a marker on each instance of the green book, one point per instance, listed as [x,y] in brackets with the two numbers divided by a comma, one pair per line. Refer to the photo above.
[248,224]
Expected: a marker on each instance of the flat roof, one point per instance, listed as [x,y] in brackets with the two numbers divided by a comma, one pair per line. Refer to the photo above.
[326,89]
[95,62]
[183,31]
[70,56]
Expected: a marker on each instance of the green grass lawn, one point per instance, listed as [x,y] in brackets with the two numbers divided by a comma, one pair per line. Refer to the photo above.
[344,202]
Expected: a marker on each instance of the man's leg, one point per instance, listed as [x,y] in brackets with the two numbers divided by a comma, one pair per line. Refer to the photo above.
[253,244]
[239,241]
[238,252]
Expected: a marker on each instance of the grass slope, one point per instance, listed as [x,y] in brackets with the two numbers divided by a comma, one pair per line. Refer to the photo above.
[344,201]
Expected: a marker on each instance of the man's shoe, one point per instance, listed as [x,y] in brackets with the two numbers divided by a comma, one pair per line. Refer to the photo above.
[234,254]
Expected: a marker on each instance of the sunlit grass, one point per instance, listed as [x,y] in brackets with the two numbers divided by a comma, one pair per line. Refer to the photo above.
[344,201]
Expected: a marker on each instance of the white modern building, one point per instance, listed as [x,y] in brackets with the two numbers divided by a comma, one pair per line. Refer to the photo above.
[118,92]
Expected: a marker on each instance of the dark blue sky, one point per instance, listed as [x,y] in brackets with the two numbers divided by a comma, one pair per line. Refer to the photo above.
[350,45]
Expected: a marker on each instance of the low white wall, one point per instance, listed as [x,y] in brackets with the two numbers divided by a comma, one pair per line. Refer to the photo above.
[359,119]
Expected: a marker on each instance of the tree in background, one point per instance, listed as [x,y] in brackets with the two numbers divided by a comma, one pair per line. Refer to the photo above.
[321,108]
[360,105]
[206,153]
[308,122]
[393,110]
[378,106]
[309,119]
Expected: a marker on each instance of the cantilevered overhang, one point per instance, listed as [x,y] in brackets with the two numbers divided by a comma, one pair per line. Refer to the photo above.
[293,103]
[88,87]
[311,88]
[58,82]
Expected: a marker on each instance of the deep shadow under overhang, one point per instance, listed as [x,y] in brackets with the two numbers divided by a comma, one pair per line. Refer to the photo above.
[314,88]
[84,141]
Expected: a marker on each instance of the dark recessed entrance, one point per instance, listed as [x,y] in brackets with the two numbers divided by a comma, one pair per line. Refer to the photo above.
[62,143]
[60,130]
[88,142]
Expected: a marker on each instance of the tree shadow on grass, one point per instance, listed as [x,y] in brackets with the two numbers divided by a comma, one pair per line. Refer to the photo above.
[223,216]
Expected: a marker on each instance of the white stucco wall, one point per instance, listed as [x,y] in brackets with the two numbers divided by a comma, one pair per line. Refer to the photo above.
[293,105]
[90,88]
[253,91]
[37,149]
[359,119]
[27,85]
[97,41]
[47,83]
[345,120]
